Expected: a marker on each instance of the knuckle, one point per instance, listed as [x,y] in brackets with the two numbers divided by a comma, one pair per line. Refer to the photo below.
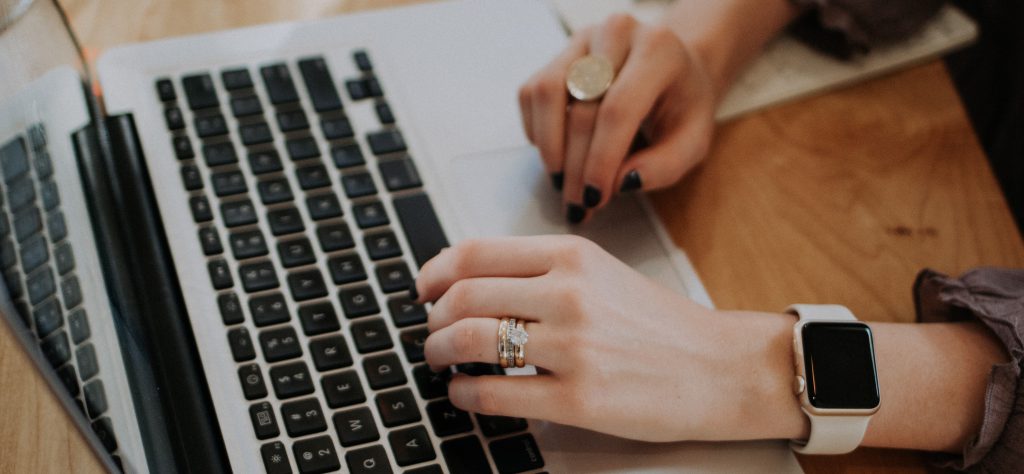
[464,255]
[485,399]
[465,340]
[579,119]
[659,36]
[612,110]
[459,297]
[619,25]
[549,87]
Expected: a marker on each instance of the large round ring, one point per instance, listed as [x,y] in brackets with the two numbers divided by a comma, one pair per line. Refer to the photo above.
[589,77]
[503,343]
[517,337]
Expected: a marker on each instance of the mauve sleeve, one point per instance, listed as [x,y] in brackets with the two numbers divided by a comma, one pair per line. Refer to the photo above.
[844,28]
[995,297]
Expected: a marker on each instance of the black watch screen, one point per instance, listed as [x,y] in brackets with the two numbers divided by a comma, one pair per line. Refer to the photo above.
[839,360]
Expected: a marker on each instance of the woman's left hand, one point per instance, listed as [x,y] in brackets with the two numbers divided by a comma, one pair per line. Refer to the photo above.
[618,353]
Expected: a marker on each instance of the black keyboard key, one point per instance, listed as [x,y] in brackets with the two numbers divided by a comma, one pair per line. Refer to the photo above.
[347,155]
[183,148]
[355,426]
[285,221]
[324,206]
[358,185]
[264,161]
[43,164]
[105,433]
[362,60]
[371,336]
[413,341]
[49,194]
[316,455]
[400,174]
[448,420]
[346,269]
[411,446]
[8,256]
[56,348]
[405,312]
[48,317]
[255,134]
[291,380]
[227,183]
[37,136]
[343,389]
[465,456]
[13,279]
[394,277]
[217,154]
[200,91]
[78,326]
[320,84]
[475,369]
[87,365]
[371,460]
[383,371]
[431,384]
[34,253]
[201,211]
[336,128]
[275,458]
[69,378]
[330,353]
[95,398]
[246,106]
[276,190]
[220,274]
[384,113]
[258,276]
[174,119]
[13,159]
[248,244]
[398,408]
[422,229]
[191,178]
[230,308]
[296,252]
[210,240]
[358,89]
[303,417]
[251,378]
[312,177]
[279,84]
[370,214]
[40,285]
[500,425]
[516,454]
[241,345]
[307,285]
[318,318]
[57,226]
[211,126]
[165,90]
[431,469]
[263,420]
[386,141]
[302,148]
[236,79]
[64,257]
[238,213]
[358,302]
[373,87]
[292,120]
[280,344]
[268,309]
[21,193]
[382,245]
[334,237]
[5,225]
[71,292]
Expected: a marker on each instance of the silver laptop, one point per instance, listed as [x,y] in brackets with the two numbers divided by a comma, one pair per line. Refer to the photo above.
[207,246]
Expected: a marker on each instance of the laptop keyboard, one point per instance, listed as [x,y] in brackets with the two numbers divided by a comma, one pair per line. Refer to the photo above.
[39,269]
[300,237]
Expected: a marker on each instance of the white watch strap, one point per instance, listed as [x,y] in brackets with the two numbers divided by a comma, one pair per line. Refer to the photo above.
[829,434]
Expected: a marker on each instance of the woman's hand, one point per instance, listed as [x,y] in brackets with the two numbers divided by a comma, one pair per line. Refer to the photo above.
[661,91]
[617,353]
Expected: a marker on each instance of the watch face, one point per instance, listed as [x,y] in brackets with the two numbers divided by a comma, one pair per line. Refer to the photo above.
[839,359]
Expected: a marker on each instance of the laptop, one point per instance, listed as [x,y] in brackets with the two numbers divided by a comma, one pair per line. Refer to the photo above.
[207,242]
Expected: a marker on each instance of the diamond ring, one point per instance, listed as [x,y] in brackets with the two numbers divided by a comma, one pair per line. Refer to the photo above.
[512,339]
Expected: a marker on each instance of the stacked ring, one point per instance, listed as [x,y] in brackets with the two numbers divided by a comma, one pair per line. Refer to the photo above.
[503,342]
[512,339]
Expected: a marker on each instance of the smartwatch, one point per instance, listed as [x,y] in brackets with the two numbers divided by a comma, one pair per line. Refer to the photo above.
[836,378]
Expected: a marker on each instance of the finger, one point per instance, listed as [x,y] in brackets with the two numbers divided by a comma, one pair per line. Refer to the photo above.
[526,111]
[548,98]
[490,297]
[493,257]
[645,75]
[526,396]
[664,163]
[579,129]
[476,340]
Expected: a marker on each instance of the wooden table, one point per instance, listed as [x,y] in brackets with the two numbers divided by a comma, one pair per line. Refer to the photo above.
[840,198]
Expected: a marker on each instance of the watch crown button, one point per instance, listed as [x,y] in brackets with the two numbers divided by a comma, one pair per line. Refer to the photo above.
[799,385]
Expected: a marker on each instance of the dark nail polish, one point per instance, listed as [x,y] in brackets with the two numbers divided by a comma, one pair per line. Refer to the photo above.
[558,180]
[631,182]
[575,214]
[591,196]
[413,294]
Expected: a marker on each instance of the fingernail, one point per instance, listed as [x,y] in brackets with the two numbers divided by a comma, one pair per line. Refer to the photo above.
[591,196]
[575,214]
[631,182]
[558,180]
[413,294]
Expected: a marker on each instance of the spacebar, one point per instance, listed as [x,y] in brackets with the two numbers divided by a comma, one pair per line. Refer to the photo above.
[422,229]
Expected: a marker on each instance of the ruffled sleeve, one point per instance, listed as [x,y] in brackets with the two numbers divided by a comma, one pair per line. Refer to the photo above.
[845,28]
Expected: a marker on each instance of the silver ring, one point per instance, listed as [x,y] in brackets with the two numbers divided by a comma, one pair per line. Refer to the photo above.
[589,77]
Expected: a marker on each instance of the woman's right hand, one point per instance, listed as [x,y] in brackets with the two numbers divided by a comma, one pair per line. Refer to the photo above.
[661,90]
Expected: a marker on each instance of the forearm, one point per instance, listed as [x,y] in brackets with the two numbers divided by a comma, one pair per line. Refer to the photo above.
[728,34]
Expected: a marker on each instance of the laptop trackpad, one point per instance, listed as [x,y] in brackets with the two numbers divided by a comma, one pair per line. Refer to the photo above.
[507,192]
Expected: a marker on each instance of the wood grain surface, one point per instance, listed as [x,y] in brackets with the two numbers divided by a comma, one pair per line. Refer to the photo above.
[841,198]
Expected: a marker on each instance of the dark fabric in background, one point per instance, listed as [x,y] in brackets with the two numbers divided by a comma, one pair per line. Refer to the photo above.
[989,76]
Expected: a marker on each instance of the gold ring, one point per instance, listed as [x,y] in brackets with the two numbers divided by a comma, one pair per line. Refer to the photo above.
[503,342]
[518,338]
[589,77]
